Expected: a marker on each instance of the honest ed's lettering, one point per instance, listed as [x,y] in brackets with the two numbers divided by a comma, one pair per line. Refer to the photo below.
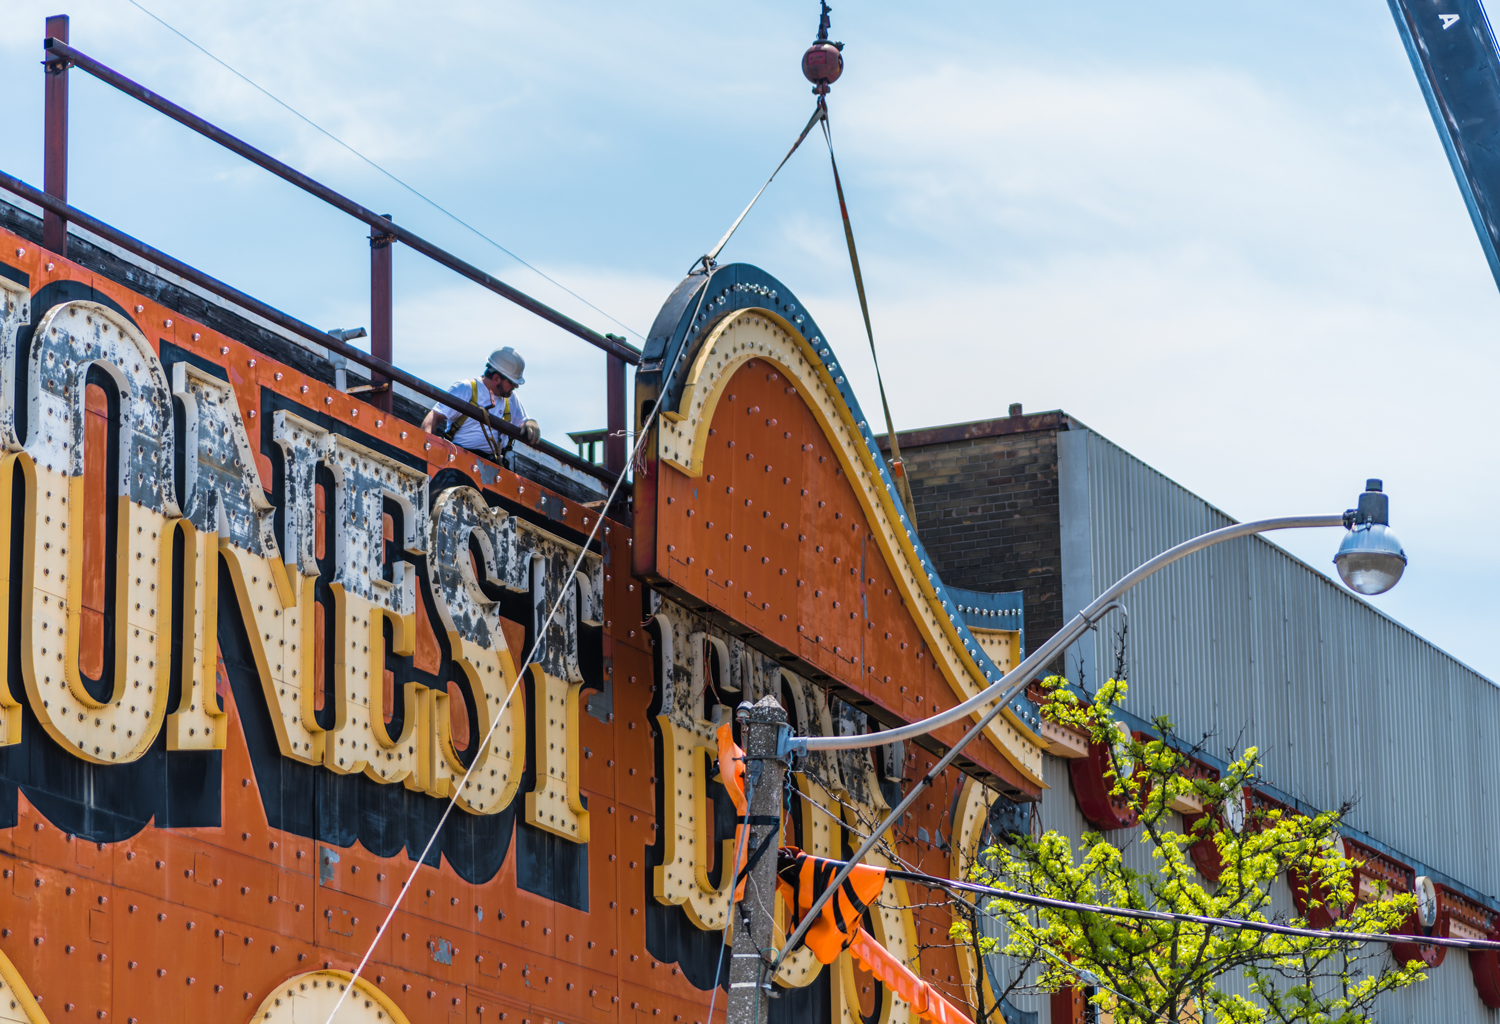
[705,672]
[327,582]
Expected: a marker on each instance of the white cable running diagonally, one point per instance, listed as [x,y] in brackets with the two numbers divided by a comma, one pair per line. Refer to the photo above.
[1008,687]
[645,433]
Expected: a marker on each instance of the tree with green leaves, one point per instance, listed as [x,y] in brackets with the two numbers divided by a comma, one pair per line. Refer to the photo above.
[1171,971]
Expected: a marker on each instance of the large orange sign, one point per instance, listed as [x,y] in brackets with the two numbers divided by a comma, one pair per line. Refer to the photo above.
[256,629]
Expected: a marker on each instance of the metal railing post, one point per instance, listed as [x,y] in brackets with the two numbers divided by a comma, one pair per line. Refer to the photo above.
[55,144]
[614,436]
[59,53]
[381,312]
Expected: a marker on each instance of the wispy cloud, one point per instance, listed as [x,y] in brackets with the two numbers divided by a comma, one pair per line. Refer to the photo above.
[1225,237]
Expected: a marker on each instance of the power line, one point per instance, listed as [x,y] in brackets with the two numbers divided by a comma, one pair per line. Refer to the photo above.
[1266,927]
[410,188]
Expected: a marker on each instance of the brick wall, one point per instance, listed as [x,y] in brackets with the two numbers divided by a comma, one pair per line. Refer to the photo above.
[987,509]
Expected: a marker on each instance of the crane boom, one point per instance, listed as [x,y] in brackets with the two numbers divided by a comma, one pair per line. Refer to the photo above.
[1452,49]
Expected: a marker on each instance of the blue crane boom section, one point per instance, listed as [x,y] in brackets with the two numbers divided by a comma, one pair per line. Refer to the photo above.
[1453,51]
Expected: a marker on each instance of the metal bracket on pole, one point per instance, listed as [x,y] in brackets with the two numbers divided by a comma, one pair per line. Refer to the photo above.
[789,745]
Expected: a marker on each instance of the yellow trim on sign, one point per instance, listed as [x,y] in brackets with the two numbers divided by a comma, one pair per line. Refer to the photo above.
[312,996]
[761,334]
[10,707]
[22,1006]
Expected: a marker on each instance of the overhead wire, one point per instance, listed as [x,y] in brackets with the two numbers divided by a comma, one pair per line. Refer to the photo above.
[1165,916]
[898,469]
[1086,976]
[932,881]
[410,188]
[886,848]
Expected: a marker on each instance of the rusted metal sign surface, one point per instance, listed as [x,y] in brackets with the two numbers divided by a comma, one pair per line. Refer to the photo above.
[257,628]
[768,503]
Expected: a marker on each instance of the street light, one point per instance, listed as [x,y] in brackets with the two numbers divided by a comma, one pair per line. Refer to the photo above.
[1370,559]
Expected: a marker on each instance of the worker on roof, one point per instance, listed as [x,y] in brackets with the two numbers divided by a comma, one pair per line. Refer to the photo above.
[494,392]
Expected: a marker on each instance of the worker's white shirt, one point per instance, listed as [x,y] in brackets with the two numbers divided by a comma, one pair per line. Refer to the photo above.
[470,433]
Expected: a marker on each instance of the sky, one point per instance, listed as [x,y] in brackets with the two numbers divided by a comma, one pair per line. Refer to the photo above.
[1225,236]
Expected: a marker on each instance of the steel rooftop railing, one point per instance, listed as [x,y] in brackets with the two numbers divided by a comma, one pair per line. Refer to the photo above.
[52,198]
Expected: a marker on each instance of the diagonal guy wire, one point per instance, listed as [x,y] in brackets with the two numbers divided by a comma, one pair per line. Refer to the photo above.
[645,433]
[709,258]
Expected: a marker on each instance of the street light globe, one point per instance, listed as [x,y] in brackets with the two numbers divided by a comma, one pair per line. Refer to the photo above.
[1370,560]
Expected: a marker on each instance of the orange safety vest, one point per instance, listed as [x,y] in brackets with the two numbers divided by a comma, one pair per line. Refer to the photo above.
[732,775]
[801,878]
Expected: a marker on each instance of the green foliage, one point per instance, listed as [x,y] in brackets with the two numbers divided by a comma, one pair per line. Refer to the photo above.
[1170,970]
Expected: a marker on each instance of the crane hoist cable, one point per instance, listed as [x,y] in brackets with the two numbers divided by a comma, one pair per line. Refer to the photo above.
[822,64]
[898,469]
[709,259]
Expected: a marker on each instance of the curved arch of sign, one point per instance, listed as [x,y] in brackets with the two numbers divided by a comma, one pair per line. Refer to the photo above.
[756,333]
[312,996]
[17,1004]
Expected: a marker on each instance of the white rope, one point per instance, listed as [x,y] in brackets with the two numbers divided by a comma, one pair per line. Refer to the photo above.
[521,673]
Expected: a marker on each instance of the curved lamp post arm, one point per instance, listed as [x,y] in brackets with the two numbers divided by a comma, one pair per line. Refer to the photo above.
[1013,682]
[1003,691]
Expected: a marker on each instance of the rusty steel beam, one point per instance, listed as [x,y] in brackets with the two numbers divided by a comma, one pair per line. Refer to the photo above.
[614,437]
[380,312]
[60,53]
[55,141]
[136,247]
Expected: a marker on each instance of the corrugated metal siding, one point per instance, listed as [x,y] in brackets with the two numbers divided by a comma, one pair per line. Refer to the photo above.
[1447,995]
[1248,644]
[1256,647]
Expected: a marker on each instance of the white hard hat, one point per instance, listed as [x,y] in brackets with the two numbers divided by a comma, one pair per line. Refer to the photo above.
[509,364]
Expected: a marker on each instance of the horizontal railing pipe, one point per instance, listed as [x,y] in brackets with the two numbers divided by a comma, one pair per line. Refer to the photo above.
[59,52]
[136,247]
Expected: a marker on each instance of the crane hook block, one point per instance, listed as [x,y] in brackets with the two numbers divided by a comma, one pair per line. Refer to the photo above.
[823,61]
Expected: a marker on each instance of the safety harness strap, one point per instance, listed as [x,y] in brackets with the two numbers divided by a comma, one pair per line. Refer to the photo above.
[463,417]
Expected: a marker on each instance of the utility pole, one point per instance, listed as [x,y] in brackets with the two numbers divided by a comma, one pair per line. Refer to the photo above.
[765,772]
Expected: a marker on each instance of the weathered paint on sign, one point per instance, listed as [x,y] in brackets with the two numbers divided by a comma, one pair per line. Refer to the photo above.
[333,607]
